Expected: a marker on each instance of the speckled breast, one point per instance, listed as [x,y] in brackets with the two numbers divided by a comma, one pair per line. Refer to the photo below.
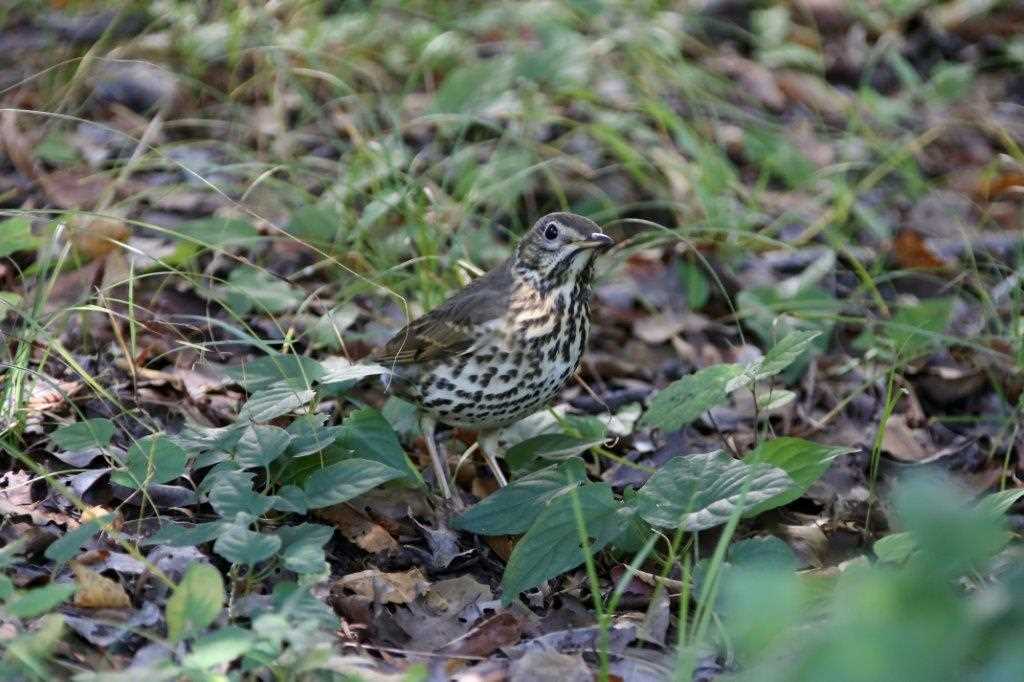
[520,364]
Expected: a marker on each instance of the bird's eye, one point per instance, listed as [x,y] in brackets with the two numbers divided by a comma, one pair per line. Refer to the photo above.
[551,232]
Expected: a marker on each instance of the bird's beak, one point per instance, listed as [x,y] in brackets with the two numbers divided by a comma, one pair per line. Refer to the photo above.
[597,240]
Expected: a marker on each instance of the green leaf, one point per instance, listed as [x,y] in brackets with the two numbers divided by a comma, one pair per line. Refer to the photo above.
[802,460]
[915,329]
[260,445]
[894,548]
[701,491]
[315,223]
[220,647]
[232,492]
[684,400]
[68,547]
[38,601]
[277,371]
[218,232]
[999,503]
[369,435]
[240,545]
[552,446]
[195,603]
[763,553]
[89,433]
[271,403]
[290,498]
[552,545]
[695,282]
[513,509]
[782,355]
[343,373]
[177,535]
[342,481]
[154,459]
[309,435]
[251,290]
[303,547]
[16,235]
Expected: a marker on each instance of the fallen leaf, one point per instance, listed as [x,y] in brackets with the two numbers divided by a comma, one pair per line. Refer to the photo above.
[502,545]
[911,251]
[500,630]
[98,592]
[902,442]
[541,665]
[387,588]
[358,529]
[98,236]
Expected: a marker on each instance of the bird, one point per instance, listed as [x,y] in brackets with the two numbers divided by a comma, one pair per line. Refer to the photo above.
[502,347]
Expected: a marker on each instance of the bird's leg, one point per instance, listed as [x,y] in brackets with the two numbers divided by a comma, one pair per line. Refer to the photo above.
[489,446]
[428,425]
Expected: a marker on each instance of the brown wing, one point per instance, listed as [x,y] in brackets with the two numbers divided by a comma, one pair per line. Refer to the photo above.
[448,329]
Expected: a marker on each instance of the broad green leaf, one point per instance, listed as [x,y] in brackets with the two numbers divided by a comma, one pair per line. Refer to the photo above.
[153,459]
[271,403]
[251,290]
[277,371]
[317,224]
[37,601]
[342,481]
[951,532]
[233,492]
[695,282]
[783,354]
[802,460]
[240,545]
[298,605]
[913,329]
[684,400]
[897,547]
[894,548]
[309,435]
[763,553]
[552,545]
[218,232]
[195,603]
[260,445]
[89,433]
[16,235]
[219,647]
[68,547]
[343,373]
[369,435]
[701,491]
[774,154]
[290,498]
[551,446]
[177,535]
[999,503]
[513,509]
[303,547]
[198,438]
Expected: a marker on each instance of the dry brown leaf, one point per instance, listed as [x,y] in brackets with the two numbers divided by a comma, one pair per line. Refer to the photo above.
[502,545]
[388,588]
[902,442]
[502,629]
[911,251]
[358,529]
[97,512]
[98,237]
[98,592]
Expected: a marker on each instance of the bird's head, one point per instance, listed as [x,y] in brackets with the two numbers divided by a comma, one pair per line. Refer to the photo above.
[560,247]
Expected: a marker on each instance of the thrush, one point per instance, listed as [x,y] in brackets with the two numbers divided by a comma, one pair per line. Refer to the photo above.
[502,347]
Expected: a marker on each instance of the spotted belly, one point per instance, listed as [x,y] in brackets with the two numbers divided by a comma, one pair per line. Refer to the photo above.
[504,379]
